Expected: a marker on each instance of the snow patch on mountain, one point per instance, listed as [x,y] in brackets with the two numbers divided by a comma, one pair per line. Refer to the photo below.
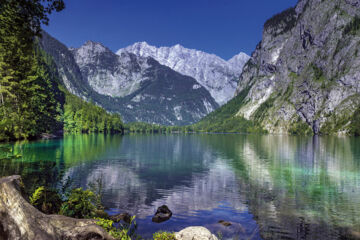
[218,76]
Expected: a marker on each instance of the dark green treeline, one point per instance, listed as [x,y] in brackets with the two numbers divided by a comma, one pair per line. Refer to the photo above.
[32,100]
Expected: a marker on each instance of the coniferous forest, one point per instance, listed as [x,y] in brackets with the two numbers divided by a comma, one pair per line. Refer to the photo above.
[32,99]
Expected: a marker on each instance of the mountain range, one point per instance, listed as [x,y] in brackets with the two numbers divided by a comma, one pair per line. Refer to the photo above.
[218,76]
[141,87]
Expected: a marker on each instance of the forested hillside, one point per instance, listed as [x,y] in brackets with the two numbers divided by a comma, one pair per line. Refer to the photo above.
[32,101]
[84,117]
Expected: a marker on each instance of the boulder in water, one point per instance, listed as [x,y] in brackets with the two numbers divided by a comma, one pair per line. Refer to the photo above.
[122,216]
[162,214]
[195,233]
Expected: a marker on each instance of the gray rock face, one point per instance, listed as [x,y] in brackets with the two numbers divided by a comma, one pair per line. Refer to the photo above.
[139,88]
[195,233]
[218,76]
[21,221]
[304,74]
[148,91]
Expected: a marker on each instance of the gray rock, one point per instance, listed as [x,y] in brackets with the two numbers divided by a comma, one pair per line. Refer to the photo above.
[195,233]
[162,214]
[121,217]
[19,220]
[225,223]
[305,69]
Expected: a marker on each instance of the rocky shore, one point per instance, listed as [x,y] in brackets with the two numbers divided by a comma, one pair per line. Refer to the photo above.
[19,220]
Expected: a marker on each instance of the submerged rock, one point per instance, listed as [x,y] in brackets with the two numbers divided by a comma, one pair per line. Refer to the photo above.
[225,223]
[162,214]
[195,233]
[20,220]
[122,216]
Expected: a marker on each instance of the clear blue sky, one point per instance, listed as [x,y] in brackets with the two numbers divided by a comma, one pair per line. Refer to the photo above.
[222,27]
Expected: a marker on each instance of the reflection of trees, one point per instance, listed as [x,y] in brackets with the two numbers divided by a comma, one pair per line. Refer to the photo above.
[43,162]
[38,165]
[299,187]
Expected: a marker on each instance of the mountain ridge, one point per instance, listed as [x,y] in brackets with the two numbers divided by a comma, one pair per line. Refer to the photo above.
[138,88]
[218,76]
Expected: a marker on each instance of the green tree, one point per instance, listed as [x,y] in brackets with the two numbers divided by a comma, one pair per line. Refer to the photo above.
[24,81]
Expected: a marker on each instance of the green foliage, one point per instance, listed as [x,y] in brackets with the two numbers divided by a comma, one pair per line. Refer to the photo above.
[29,104]
[318,73]
[36,195]
[124,232]
[163,236]
[97,188]
[354,127]
[141,127]
[285,21]
[300,128]
[83,117]
[46,200]
[80,204]
[353,27]
[6,153]
[224,119]
[262,110]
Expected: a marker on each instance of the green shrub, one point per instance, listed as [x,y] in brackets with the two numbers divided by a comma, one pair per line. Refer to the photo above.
[318,73]
[124,232]
[80,204]
[6,153]
[163,236]
[287,19]
[352,27]
[355,123]
[46,200]
[300,128]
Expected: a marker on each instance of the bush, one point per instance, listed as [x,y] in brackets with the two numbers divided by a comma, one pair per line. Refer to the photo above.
[125,232]
[46,200]
[353,27]
[164,236]
[80,204]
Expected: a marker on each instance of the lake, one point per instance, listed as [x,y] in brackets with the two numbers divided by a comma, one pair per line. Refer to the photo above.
[268,187]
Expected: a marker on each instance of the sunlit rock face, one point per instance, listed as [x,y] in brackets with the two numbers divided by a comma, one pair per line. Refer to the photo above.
[139,88]
[218,76]
[150,92]
[303,75]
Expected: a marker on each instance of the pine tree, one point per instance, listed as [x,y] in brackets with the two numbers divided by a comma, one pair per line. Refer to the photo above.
[24,81]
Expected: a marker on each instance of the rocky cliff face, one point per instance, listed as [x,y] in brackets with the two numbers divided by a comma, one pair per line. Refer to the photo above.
[139,88]
[218,76]
[148,91]
[304,75]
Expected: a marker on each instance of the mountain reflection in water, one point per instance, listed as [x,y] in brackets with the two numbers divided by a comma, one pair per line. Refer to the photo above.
[270,187]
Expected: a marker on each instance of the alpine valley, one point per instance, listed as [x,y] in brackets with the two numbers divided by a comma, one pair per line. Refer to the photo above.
[147,87]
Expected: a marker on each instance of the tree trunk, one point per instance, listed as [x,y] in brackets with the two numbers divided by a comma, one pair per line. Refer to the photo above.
[19,220]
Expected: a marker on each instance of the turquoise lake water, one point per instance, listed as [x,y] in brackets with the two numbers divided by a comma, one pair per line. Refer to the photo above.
[268,187]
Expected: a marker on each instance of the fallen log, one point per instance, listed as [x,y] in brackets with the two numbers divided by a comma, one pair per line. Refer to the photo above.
[19,220]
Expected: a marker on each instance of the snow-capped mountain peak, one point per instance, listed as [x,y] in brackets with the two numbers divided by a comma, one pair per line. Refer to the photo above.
[218,76]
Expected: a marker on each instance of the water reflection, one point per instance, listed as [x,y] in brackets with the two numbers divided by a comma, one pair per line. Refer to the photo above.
[271,187]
